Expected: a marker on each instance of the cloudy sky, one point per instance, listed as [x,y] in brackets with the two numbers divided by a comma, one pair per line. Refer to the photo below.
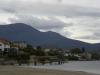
[76,19]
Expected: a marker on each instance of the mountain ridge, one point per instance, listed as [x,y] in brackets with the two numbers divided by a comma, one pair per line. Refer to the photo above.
[24,32]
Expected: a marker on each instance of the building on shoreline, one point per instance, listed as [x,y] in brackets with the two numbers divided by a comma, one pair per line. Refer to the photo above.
[4,45]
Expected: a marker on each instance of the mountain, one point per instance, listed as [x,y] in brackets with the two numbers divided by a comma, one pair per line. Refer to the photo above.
[23,32]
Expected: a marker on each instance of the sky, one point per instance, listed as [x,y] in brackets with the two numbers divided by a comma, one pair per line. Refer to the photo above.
[75,19]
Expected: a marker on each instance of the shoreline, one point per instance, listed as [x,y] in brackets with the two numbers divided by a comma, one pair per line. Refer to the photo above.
[59,68]
[47,69]
[20,70]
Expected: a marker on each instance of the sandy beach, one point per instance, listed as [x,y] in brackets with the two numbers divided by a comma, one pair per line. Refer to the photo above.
[15,70]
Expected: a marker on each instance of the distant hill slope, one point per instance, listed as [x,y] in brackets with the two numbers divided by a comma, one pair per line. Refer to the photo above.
[23,32]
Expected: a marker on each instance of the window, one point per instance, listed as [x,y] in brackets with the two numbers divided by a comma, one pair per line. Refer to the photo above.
[6,50]
[0,44]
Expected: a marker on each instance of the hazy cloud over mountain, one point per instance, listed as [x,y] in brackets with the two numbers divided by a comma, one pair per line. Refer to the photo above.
[77,19]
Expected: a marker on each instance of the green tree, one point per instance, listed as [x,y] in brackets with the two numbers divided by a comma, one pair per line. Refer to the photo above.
[83,50]
[40,51]
[12,54]
[29,49]
[72,57]
[53,53]
[96,56]
[23,58]
[76,51]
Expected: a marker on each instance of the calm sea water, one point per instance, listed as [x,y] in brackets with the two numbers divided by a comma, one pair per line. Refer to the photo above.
[86,66]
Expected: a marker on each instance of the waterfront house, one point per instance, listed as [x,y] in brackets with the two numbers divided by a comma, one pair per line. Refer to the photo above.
[4,45]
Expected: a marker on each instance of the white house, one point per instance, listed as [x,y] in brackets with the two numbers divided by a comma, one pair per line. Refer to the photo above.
[4,45]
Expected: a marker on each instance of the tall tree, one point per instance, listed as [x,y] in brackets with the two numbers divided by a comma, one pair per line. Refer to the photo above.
[76,51]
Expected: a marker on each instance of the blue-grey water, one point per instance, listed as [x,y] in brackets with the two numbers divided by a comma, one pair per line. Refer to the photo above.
[86,66]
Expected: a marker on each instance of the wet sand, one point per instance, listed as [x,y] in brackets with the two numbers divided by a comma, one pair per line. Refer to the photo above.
[16,70]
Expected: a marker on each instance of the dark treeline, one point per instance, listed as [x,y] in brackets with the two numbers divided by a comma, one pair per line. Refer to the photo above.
[42,56]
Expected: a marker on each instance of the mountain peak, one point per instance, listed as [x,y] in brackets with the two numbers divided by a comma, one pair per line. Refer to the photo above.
[24,32]
[23,26]
[17,24]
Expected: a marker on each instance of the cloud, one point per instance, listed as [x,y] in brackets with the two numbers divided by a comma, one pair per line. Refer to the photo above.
[49,7]
[40,22]
[76,19]
[85,29]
